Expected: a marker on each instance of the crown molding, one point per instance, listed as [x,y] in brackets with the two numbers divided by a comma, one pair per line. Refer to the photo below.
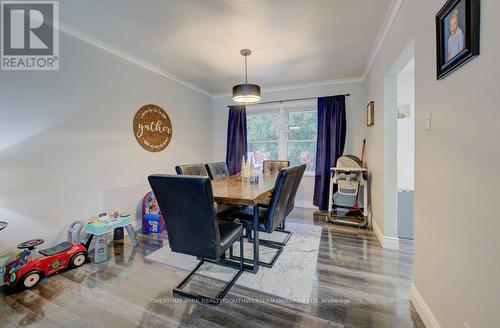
[98,43]
[382,35]
[76,33]
[300,86]
[379,41]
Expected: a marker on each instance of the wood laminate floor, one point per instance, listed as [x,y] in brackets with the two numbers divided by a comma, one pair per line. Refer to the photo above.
[358,284]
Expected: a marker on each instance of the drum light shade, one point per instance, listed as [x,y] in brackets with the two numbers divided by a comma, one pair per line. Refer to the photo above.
[246,93]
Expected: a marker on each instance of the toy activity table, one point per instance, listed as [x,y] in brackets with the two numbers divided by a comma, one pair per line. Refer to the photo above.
[102,226]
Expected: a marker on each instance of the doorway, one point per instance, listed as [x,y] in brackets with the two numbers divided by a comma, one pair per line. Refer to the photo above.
[406,149]
[399,144]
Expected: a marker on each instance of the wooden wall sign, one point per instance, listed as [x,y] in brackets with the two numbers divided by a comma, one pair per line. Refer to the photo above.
[152,128]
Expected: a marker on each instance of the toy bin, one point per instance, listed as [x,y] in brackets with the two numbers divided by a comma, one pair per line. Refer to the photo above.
[153,224]
[152,220]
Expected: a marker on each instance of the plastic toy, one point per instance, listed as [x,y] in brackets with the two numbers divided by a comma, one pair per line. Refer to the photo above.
[152,220]
[74,231]
[30,265]
[101,227]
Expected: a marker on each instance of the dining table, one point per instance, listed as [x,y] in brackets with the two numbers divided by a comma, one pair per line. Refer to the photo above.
[235,190]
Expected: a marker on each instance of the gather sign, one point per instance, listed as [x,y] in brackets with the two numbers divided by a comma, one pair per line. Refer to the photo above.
[152,128]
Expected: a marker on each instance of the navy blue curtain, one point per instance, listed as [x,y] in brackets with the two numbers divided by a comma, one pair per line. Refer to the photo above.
[236,138]
[332,127]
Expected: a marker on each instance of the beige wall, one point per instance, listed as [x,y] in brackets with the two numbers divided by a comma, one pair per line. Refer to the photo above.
[67,152]
[67,149]
[356,121]
[456,181]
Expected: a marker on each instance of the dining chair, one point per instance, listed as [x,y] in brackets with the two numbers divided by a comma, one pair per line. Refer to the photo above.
[298,179]
[193,228]
[191,169]
[289,207]
[199,169]
[273,166]
[270,216]
[217,170]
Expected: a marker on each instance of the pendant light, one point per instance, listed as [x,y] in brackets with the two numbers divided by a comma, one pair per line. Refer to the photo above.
[246,93]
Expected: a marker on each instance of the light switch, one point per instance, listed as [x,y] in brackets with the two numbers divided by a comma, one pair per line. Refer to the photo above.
[428,121]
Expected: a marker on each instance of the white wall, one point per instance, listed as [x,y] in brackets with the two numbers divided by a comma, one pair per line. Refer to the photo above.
[356,121]
[67,149]
[456,244]
[406,131]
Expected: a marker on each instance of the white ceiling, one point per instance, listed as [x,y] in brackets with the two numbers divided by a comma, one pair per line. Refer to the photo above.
[198,41]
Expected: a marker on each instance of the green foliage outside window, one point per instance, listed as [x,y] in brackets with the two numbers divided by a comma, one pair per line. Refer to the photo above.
[300,141]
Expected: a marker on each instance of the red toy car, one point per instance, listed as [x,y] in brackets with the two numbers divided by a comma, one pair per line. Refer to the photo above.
[31,265]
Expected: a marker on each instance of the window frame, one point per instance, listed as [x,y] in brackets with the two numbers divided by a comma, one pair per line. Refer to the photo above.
[282,109]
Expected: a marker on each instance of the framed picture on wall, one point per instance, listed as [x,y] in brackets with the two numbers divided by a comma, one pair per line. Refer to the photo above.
[370,113]
[457,35]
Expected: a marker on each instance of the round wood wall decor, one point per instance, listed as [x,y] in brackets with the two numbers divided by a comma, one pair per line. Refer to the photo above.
[152,128]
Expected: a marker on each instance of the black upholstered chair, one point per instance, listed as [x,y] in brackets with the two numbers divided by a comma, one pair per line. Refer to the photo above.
[217,170]
[289,207]
[191,169]
[273,167]
[193,228]
[272,215]
[291,201]
[199,169]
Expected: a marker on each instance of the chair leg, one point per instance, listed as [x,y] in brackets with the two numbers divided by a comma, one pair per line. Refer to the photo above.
[226,289]
[269,264]
[205,299]
[248,234]
[271,243]
[234,261]
[254,268]
[278,243]
[242,254]
[282,226]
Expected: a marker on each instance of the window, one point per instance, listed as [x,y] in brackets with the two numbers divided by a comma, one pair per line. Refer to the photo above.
[262,138]
[287,131]
[301,145]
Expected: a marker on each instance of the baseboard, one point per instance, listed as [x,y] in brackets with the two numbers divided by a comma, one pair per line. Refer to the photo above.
[385,241]
[378,233]
[305,204]
[423,310]
[391,243]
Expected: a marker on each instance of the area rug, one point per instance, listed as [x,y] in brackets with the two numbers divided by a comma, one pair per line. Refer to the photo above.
[291,278]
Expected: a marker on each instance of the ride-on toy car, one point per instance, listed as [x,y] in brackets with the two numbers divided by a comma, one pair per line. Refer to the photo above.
[30,266]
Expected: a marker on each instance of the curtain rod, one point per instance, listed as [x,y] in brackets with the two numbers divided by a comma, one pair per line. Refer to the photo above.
[287,100]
